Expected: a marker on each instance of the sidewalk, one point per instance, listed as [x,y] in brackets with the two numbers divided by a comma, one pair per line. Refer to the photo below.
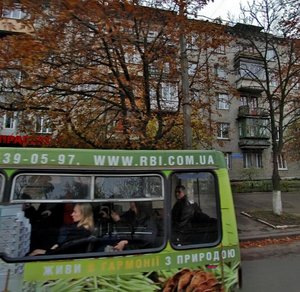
[250,229]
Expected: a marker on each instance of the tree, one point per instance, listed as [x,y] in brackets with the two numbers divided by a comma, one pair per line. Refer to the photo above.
[276,74]
[101,75]
[291,24]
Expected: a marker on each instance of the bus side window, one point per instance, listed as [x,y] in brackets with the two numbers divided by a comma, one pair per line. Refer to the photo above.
[194,211]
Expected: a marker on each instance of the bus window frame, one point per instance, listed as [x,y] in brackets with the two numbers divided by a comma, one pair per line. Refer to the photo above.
[218,211]
[2,186]
[13,183]
[93,175]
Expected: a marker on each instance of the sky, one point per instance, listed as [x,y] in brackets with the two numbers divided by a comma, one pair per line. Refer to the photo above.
[220,8]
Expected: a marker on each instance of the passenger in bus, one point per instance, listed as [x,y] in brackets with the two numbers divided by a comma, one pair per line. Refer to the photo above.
[82,227]
[182,211]
[141,222]
[29,210]
[189,223]
[49,219]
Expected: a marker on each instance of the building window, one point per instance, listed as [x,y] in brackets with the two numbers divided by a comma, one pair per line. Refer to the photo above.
[228,159]
[14,13]
[192,69]
[9,79]
[223,101]
[270,54]
[251,101]
[220,49]
[282,165]
[132,58]
[255,128]
[168,97]
[252,160]
[223,131]
[9,120]
[220,72]
[43,125]
[252,70]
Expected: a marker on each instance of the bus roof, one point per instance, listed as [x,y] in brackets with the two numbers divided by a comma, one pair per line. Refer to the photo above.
[96,158]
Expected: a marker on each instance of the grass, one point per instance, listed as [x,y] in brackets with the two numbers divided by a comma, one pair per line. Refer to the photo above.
[270,217]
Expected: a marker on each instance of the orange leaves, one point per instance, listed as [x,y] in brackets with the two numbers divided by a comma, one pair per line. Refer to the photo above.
[268,241]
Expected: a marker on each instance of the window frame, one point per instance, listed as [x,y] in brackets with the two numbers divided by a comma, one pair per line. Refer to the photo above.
[223,101]
[281,161]
[223,128]
[252,160]
[11,120]
[217,207]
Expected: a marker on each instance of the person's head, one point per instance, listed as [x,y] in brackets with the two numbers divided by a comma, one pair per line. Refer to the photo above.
[27,205]
[179,192]
[83,215]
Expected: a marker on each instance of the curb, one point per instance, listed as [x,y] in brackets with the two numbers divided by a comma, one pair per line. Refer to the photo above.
[267,223]
[269,235]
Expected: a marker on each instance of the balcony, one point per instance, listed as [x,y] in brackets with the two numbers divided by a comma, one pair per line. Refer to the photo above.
[250,71]
[8,26]
[246,111]
[253,132]
[244,84]
[254,143]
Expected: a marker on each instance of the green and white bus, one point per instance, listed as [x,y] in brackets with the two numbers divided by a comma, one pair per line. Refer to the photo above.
[39,187]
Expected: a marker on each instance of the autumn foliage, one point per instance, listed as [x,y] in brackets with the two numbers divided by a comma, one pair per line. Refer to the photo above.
[106,74]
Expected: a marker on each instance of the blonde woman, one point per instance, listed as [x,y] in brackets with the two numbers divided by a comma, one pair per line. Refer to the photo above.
[82,227]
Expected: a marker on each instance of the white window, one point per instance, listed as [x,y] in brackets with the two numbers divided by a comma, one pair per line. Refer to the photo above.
[152,35]
[223,131]
[9,120]
[252,160]
[277,133]
[168,96]
[192,70]
[220,72]
[43,125]
[14,13]
[252,70]
[223,101]
[220,49]
[274,79]
[282,165]
[132,58]
[270,55]
[192,42]
[228,159]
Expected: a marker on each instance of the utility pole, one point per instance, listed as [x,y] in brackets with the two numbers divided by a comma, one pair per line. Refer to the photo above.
[186,102]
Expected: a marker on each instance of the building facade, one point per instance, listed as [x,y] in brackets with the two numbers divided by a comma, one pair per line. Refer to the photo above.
[240,113]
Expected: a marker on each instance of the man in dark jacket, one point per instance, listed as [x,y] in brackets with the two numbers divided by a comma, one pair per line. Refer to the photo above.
[182,214]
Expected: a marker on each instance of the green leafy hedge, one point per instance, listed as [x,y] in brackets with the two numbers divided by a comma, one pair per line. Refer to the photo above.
[247,186]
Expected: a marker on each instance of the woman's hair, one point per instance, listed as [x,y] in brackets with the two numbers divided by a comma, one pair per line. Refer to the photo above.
[87,220]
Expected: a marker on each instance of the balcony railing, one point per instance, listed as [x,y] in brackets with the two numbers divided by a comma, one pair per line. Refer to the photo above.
[245,111]
[245,143]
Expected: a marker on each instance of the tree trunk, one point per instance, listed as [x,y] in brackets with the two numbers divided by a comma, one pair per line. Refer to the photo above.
[186,103]
[277,203]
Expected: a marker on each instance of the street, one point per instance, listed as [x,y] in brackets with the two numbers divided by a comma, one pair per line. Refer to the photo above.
[271,268]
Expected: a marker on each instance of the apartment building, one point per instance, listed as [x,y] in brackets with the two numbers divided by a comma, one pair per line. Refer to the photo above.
[239,110]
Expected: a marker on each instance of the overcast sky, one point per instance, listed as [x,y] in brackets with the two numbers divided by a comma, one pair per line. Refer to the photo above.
[220,8]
